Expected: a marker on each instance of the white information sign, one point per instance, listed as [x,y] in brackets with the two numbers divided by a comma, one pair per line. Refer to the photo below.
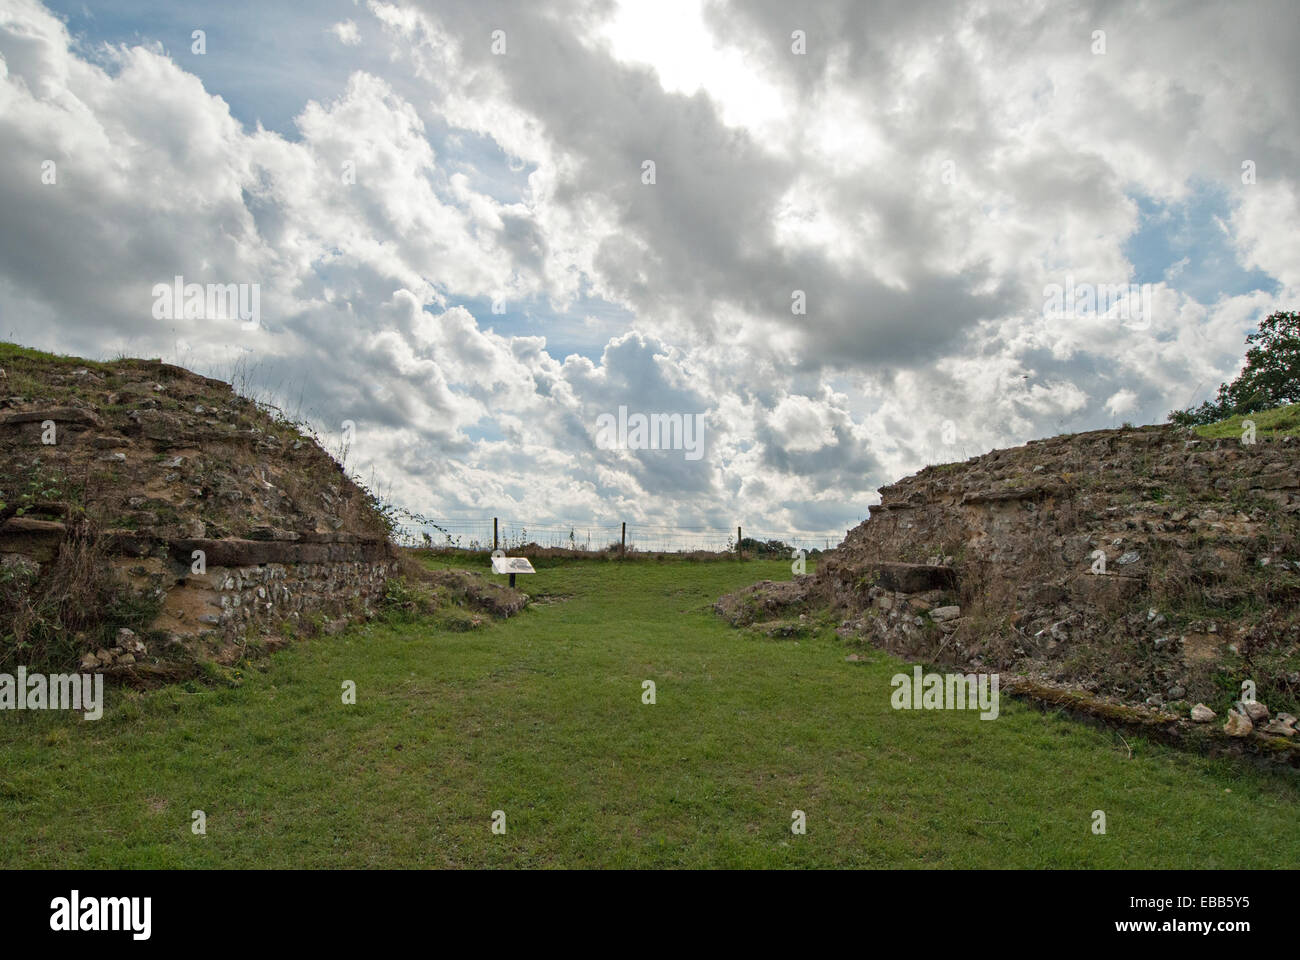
[512,565]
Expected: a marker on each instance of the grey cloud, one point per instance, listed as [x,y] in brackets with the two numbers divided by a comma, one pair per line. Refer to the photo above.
[198,196]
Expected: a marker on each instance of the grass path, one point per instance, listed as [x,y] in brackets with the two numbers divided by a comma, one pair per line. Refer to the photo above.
[541,717]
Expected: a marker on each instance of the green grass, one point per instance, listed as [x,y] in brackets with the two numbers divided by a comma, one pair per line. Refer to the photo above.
[1278,422]
[11,352]
[541,716]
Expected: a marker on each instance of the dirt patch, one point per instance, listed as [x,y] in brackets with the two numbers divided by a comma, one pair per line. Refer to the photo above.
[1203,647]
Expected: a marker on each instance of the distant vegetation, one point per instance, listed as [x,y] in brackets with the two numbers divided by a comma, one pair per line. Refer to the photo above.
[1270,378]
[771,548]
[1278,422]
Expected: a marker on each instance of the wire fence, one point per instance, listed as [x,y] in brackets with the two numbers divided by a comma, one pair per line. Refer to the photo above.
[480,534]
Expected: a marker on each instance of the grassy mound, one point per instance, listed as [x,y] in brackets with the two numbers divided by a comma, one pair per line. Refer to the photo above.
[1269,424]
[95,455]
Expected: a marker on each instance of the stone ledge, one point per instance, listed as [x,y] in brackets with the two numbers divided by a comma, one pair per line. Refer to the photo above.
[1014,493]
[905,577]
[247,553]
[1166,727]
[57,414]
[40,539]
[35,539]
[23,526]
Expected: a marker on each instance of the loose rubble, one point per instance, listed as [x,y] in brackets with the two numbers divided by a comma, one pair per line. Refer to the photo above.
[1135,566]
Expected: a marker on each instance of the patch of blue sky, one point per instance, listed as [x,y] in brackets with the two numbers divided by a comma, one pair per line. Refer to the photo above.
[490,169]
[483,430]
[265,60]
[1188,245]
[584,328]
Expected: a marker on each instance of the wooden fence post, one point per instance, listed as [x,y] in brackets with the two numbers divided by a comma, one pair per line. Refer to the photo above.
[623,548]
[494,535]
[739,553]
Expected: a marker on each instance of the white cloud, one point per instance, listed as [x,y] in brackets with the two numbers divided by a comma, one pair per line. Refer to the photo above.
[439,176]
[1121,401]
[347,32]
[802,424]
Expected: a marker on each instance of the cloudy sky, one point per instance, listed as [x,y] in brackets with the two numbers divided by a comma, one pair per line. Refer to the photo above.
[842,262]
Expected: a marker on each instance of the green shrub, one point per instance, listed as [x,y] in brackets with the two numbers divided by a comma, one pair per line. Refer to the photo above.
[1270,377]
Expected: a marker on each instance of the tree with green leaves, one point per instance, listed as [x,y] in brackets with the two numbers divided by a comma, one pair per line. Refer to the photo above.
[1270,378]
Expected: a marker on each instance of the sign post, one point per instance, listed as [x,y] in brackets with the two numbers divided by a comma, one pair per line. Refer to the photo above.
[511,565]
